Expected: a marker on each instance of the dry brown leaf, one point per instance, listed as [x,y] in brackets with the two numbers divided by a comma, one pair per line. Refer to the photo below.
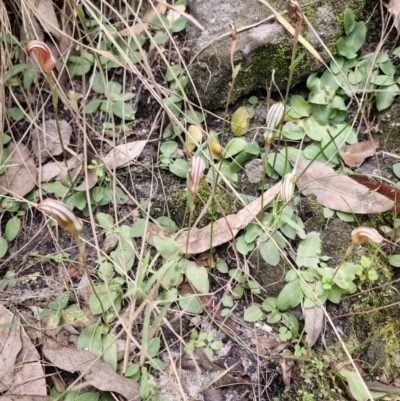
[174,14]
[76,168]
[99,374]
[121,155]
[137,28]
[377,386]
[224,229]
[20,177]
[46,143]
[267,345]
[50,171]
[286,372]
[355,154]
[89,181]
[10,345]
[314,321]
[265,342]
[394,10]
[20,370]
[47,17]
[338,192]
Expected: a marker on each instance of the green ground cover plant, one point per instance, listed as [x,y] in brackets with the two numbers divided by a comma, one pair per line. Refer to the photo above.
[154,272]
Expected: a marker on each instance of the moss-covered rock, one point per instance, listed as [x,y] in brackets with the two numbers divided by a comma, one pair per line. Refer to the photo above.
[263,45]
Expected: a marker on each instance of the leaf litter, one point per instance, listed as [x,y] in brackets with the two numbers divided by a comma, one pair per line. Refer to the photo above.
[314,321]
[99,374]
[223,230]
[337,191]
[20,371]
[46,142]
[20,176]
[355,154]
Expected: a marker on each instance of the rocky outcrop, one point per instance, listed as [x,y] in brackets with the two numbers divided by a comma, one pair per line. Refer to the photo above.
[263,45]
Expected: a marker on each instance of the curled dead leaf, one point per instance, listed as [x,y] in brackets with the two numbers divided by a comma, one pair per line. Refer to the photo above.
[286,371]
[355,154]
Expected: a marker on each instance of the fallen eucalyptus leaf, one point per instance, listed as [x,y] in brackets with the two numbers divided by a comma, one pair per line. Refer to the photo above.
[338,192]
[121,155]
[355,154]
[20,177]
[314,320]
[223,230]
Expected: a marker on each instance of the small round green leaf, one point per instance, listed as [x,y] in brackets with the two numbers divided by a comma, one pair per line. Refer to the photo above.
[12,228]
[252,314]
[396,169]
[3,247]
[179,167]
[222,267]
[394,260]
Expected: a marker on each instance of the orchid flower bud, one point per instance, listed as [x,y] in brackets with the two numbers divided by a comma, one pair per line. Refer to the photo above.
[44,54]
[62,214]
[274,118]
[364,234]
[287,187]
[196,173]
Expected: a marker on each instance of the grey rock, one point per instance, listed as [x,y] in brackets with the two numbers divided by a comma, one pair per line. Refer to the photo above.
[254,171]
[260,49]
[110,243]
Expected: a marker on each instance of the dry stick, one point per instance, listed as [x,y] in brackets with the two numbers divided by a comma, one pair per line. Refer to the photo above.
[233,35]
